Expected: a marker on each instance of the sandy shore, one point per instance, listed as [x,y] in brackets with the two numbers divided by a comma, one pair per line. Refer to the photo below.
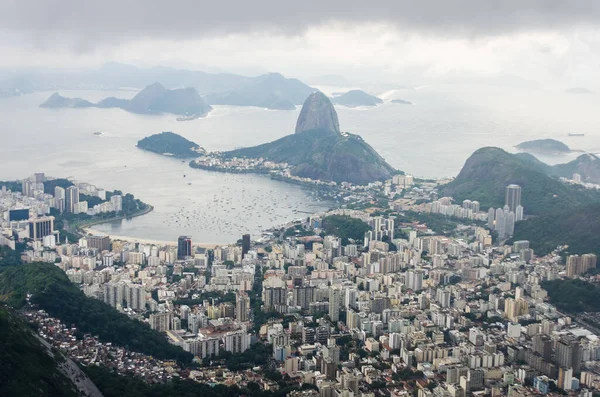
[146,241]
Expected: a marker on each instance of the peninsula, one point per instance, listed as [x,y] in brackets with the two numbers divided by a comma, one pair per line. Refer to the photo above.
[317,151]
[154,99]
[171,144]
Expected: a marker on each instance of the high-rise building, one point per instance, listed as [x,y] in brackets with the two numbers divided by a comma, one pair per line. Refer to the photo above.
[519,213]
[568,354]
[274,298]
[101,243]
[302,296]
[245,244]
[59,198]
[184,247]
[335,296]
[71,198]
[237,341]
[513,197]
[117,202]
[491,218]
[41,227]
[242,307]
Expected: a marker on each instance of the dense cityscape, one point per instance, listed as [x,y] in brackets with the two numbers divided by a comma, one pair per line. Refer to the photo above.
[353,302]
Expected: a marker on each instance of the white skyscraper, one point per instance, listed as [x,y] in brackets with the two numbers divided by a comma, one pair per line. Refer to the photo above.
[519,213]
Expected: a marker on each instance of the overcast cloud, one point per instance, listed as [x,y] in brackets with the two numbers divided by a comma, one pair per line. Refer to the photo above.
[425,39]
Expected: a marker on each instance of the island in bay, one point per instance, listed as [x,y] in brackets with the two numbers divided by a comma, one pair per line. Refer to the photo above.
[544,146]
[154,99]
[171,144]
[356,98]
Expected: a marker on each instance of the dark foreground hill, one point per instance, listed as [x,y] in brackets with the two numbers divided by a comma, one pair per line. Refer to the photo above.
[52,291]
[28,367]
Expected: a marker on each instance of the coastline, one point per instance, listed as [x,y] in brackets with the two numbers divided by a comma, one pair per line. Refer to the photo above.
[86,225]
[147,241]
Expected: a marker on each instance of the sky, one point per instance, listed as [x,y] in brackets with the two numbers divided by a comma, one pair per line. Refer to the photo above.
[406,42]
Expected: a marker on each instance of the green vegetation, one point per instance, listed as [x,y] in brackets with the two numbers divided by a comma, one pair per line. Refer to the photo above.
[544,146]
[27,368]
[438,223]
[489,170]
[52,291]
[51,184]
[324,155]
[171,143]
[579,228]
[113,385]
[13,186]
[10,257]
[573,296]
[345,227]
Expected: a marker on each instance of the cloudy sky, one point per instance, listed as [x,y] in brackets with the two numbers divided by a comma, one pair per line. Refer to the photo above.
[547,41]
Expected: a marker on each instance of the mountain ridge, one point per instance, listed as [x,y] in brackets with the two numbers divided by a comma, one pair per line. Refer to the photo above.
[154,99]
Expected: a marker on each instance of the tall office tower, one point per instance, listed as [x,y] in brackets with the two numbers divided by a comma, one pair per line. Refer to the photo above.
[71,198]
[245,244]
[519,215]
[491,218]
[59,198]
[520,245]
[117,202]
[303,296]
[509,220]
[184,247]
[39,177]
[41,227]
[335,295]
[500,223]
[475,206]
[242,307]
[27,188]
[101,243]
[414,280]
[568,354]
[274,298]
[513,197]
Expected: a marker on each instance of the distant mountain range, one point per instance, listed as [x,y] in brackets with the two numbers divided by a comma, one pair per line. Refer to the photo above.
[269,90]
[318,150]
[154,99]
[587,165]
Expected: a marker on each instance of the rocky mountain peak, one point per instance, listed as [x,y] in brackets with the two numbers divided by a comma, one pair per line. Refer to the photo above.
[318,113]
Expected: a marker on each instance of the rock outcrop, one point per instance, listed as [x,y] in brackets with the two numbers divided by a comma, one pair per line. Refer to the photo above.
[318,113]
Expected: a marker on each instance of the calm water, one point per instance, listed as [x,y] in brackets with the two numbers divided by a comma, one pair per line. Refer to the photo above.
[431,138]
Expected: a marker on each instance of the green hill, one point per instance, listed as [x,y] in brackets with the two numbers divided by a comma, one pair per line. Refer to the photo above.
[579,228]
[27,367]
[489,170]
[319,151]
[52,291]
[172,144]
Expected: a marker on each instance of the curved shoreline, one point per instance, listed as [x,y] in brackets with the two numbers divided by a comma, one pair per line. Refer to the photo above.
[145,211]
